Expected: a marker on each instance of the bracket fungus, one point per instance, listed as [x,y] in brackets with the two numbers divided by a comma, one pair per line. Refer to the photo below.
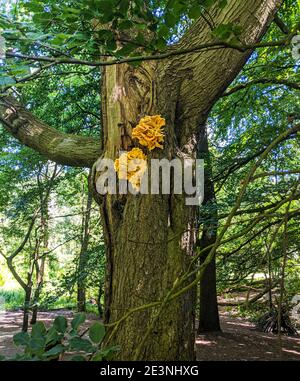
[149,132]
[131,166]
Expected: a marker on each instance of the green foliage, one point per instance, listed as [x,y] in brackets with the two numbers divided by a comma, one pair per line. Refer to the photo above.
[14,299]
[71,103]
[60,324]
[77,321]
[96,333]
[227,32]
[241,126]
[85,27]
[45,344]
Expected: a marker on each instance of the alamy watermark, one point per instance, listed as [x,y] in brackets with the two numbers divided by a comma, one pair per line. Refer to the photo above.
[177,176]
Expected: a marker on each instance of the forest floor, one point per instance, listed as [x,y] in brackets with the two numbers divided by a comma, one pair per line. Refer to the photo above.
[239,339]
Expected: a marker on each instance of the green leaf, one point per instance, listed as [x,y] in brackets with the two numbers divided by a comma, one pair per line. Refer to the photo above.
[97,332]
[79,344]
[195,12]
[55,351]
[136,63]
[38,330]
[170,20]
[22,357]
[21,338]
[36,36]
[52,336]
[111,45]
[37,345]
[34,6]
[163,31]
[98,356]
[108,353]
[208,3]
[105,6]
[222,3]
[223,31]
[126,50]
[126,24]
[42,18]
[106,10]
[20,69]
[73,332]
[60,324]
[123,7]
[77,321]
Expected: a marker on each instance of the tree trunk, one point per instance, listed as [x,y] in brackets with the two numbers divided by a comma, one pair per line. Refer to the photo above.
[208,303]
[83,255]
[39,285]
[150,238]
[99,303]
[208,314]
[43,243]
[26,308]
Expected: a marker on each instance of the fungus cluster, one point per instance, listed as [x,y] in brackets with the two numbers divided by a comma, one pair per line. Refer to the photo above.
[131,166]
[149,132]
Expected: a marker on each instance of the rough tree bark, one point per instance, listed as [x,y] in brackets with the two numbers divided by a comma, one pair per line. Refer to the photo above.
[150,238]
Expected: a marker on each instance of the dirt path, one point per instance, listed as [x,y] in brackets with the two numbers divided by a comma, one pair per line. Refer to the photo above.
[11,323]
[238,341]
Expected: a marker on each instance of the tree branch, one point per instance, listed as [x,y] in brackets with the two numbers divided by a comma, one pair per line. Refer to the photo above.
[25,239]
[281,25]
[65,149]
[215,45]
[265,81]
[202,87]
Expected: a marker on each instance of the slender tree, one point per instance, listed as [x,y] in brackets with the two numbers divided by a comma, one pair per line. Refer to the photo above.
[83,255]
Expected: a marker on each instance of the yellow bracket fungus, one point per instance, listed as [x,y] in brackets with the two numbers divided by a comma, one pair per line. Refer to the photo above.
[149,131]
[131,166]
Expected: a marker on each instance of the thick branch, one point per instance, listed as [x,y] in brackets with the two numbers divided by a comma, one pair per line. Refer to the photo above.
[206,75]
[66,149]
